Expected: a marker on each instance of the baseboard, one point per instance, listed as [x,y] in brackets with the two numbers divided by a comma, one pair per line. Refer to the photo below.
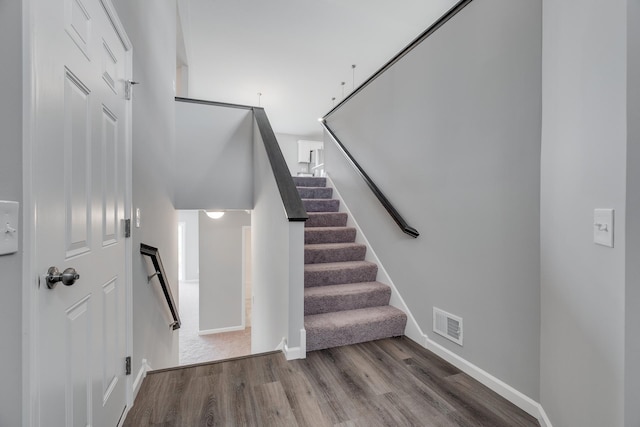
[142,373]
[221,330]
[543,419]
[514,396]
[292,353]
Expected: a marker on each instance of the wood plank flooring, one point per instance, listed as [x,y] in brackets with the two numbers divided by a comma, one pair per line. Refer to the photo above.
[390,382]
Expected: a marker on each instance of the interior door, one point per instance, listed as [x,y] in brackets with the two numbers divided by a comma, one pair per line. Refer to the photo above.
[80,157]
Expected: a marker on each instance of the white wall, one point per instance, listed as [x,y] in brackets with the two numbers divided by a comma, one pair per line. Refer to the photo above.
[214,157]
[192,237]
[151,27]
[11,189]
[277,262]
[289,147]
[221,274]
[632,299]
[583,167]
[451,134]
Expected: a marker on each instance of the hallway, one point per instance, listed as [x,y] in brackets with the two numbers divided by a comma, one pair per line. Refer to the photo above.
[196,348]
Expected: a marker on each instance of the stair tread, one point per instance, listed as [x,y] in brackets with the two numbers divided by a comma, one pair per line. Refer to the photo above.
[322,193]
[326,219]
[351,296]
[347,318]
[344,289]
[332,228]
[344,265]
[317,253]
[321,205]
[310,181]
[321,235]
[321,246]
[358,314]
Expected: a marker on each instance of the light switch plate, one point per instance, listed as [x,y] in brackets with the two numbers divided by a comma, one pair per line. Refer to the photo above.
[9,227]
[603,227]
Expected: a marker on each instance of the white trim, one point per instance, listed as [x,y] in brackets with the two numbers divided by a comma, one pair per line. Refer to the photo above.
[543,419]
[221,330]
[142,374]
[292,353]
[110,10]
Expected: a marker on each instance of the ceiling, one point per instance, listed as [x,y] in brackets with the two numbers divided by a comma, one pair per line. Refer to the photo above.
[296,53]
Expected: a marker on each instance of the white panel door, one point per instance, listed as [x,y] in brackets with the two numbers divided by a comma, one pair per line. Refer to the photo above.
[80,160]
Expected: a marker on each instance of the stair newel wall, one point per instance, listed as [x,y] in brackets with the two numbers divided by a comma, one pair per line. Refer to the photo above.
[277,262]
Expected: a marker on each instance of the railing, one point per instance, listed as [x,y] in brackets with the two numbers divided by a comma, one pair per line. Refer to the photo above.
[288,191]
[153,253]
[404,226]
[291,200]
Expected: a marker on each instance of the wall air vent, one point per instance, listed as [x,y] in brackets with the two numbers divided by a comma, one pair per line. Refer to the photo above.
[447,325]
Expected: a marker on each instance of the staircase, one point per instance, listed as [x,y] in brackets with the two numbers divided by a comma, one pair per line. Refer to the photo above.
[343,302]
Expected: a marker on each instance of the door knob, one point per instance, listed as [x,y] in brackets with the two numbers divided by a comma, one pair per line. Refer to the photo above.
[68,277]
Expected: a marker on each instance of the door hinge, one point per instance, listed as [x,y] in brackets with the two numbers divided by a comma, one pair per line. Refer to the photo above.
[127,227]
[128,89]
[127,365]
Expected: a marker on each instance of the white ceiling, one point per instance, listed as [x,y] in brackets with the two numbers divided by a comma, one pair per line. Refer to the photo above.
[295,52]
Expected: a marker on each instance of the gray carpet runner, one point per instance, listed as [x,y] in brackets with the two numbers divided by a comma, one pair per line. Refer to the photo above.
[343,302]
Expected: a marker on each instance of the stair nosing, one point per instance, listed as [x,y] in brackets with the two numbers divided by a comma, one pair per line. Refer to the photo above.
[340,265]
[336,314]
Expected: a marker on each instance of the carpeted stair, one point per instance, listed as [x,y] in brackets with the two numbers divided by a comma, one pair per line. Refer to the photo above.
[343,302]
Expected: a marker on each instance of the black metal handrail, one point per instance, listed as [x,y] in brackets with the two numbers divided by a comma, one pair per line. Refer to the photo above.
[153,253]
[288,193]
[404,226]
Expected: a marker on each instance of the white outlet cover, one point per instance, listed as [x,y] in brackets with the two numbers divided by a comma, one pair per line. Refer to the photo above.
[9,227]
[603,227]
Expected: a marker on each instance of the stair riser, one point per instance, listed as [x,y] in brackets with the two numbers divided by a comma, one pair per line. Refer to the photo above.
[315,192]
[327,219]
[318,256]
[332,303]
[366,273]
[343,235]
[304,181]
[318,339]
[321,205]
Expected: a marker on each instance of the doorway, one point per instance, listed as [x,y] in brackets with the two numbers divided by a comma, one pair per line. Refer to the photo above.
[215,286]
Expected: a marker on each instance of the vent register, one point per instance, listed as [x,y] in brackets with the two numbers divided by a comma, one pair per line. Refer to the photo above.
[447,325]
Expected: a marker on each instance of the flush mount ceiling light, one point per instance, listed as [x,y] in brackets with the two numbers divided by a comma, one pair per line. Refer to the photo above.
[215,214]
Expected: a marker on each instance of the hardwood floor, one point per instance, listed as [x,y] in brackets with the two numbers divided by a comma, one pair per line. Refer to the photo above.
[390,382]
